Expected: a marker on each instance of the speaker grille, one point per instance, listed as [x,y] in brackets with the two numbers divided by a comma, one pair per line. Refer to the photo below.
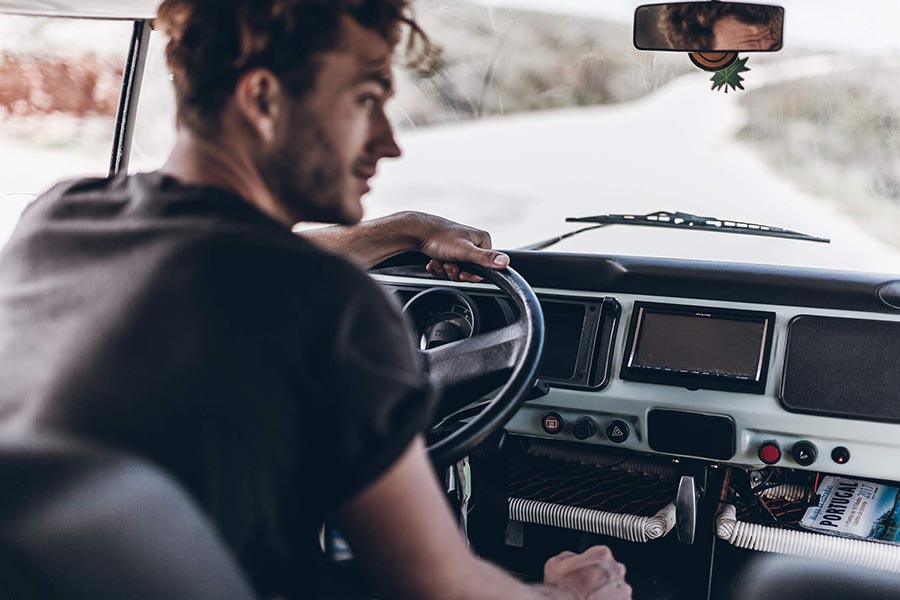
[846,368]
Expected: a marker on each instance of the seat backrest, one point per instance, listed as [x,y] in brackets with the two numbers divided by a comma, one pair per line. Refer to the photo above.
[78,522]
[778,577]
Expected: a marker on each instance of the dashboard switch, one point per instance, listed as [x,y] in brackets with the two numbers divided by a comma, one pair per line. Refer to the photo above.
[584,428]
[840,455]
[617,431]
[769,452]
[552,423]
[805,453]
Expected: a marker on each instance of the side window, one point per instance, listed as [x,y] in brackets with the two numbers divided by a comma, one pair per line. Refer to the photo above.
[60,81]
[154,125]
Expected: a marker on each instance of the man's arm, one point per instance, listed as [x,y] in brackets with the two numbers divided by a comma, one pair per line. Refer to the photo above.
[402,532]
[445,242]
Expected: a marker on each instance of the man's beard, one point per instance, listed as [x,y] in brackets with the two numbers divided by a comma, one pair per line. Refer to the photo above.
[304,172]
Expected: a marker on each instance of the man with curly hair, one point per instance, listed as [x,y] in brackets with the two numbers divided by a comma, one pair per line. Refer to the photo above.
[709,26]
[174,314]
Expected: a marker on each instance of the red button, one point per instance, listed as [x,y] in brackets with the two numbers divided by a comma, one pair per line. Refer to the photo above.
[769,452]
[552,423]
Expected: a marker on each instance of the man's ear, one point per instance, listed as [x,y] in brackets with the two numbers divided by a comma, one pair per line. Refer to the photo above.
[258,96]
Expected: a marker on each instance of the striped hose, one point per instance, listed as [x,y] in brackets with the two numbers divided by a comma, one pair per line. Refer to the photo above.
[786,491]
[875,555]
[627,527]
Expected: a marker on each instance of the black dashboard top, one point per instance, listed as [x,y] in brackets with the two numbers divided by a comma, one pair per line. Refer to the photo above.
[763,284]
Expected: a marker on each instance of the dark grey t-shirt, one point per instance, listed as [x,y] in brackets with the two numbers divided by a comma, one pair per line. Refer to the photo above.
[275,380]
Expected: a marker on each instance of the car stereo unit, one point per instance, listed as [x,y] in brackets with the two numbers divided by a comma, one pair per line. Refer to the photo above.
[699,347]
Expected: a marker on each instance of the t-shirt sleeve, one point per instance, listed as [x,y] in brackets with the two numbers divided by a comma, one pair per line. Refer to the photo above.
[381,396]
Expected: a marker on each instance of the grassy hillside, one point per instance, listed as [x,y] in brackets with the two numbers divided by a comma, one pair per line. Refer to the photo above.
[502,61]
[837,136]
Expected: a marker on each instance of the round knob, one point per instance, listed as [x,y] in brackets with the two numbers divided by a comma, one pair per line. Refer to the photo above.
[584,428]
[840,455]
[805,453]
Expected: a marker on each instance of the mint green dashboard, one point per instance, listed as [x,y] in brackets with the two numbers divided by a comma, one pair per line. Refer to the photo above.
[802,384]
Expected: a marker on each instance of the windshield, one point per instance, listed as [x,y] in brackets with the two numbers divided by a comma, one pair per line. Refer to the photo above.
[543,110]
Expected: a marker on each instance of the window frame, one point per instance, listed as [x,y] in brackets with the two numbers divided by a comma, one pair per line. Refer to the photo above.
[126,112]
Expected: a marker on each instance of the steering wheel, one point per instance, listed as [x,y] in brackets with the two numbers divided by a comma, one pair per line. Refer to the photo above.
[516,347]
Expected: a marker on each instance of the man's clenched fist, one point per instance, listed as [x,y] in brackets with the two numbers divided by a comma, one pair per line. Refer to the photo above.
[592,575]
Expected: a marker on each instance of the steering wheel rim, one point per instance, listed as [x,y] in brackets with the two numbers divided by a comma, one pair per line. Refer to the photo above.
[524,336]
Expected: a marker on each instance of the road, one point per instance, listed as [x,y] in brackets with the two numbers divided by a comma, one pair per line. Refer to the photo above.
[675,149]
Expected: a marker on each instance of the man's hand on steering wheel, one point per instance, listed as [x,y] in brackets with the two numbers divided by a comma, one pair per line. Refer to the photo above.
[448,243]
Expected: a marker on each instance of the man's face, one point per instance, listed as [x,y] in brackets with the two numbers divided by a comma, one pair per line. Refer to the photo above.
[325,156]
[730,33]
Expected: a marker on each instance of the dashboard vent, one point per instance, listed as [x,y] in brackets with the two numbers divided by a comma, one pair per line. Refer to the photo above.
[889,293]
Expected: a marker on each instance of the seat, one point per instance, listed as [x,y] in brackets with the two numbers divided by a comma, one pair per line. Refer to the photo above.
[81,522]
[778,577]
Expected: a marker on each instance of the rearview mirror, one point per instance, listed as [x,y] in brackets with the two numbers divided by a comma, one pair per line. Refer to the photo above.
[709,27]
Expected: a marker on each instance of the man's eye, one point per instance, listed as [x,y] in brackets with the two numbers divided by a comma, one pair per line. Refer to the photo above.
[368,101]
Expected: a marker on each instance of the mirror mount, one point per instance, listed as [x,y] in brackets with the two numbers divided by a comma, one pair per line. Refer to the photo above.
[713,61]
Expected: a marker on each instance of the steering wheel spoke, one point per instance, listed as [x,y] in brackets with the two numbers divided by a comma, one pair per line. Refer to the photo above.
[505,360]
[474,358]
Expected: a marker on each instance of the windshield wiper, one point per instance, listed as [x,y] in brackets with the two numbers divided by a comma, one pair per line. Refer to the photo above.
[677,220]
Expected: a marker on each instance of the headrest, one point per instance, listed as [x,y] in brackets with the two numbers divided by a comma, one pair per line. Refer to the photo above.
[85,522]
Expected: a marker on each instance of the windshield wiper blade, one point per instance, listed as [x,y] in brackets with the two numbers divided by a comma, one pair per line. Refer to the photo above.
[678,220]
[682,220]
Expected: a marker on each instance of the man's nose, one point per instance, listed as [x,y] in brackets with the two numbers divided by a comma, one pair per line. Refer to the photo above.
[383,144]
[391,148]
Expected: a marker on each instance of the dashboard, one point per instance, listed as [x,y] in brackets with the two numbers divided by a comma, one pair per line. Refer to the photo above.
[739,364]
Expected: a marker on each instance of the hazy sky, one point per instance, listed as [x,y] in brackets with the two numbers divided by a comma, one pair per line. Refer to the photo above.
[862,25]
[38,35]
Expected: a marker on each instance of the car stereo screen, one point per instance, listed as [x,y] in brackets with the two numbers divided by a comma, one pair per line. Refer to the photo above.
[700,344]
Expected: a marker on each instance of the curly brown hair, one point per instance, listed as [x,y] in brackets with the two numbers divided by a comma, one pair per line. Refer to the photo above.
[690,25]
[213,42]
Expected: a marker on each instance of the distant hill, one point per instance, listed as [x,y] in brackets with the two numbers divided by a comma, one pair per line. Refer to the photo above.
[838,136]
[500,61]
